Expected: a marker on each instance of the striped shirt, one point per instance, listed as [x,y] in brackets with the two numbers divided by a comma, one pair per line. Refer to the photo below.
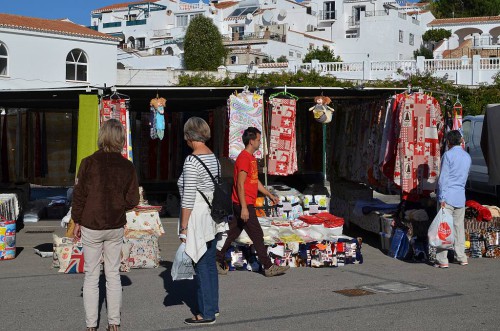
[195,177]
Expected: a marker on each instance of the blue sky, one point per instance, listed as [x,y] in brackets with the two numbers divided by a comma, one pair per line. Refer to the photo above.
[76,10]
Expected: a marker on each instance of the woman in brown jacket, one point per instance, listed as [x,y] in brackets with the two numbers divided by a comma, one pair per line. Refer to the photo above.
[105,188]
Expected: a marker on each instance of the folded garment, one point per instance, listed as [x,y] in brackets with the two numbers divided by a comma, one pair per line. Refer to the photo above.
[364,207]
[483,213]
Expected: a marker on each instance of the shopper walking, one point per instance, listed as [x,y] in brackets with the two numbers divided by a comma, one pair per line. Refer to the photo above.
[197,228]
[246,186]
[455,167]
[105,188]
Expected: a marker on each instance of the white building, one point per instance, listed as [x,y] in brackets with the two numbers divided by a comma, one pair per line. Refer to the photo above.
[39,53]
[152,31]
[469,36]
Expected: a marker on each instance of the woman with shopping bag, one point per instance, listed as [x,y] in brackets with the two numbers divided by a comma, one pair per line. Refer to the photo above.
[197,228]
[455,167]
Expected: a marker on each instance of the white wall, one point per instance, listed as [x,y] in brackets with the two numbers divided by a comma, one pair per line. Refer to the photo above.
[38,60]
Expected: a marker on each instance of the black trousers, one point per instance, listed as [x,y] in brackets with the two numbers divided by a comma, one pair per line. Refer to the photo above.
[254,231]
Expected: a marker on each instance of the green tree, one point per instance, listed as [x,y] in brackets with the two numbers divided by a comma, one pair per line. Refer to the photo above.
[423,51]
[465,8]
[436,35]
[203,47]
[282,59]
[323,55]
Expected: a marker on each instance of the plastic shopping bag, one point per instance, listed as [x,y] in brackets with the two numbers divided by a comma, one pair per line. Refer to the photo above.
[182,268]
[440,232]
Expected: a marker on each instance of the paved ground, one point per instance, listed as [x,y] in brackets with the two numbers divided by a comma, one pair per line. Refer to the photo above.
[36,297]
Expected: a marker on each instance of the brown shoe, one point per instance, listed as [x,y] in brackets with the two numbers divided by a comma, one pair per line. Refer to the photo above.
[221,269]
[113,327]
[275,270]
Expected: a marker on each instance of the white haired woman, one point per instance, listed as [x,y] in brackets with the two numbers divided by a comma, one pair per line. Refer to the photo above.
[197,228]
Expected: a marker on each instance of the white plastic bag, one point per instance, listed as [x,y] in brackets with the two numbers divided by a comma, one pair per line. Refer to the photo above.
[182,268]
[440,232]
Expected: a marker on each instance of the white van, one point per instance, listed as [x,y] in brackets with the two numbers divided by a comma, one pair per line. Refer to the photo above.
[478,176]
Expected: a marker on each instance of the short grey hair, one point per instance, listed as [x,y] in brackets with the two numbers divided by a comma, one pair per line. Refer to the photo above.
[196,129]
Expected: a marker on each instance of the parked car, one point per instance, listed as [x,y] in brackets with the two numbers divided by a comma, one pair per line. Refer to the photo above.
[478,176]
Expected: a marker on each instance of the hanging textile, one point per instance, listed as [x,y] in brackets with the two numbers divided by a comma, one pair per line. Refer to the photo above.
[157,118]
[44,164]
[38,145]
[418,153]
[88,127]
[245,110]
[117,106]
[4,153]
[282,140]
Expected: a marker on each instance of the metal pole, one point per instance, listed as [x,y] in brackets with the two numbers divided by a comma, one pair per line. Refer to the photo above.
[324,152]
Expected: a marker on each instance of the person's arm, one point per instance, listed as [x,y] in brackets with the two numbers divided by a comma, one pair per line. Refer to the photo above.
[240,189]
[132,195]
[190,181]
[79,198]
[443,180]
[263,190]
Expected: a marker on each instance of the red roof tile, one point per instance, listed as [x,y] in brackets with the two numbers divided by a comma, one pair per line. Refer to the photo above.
[224,5]
[123,5]
[50,26]
[462,20]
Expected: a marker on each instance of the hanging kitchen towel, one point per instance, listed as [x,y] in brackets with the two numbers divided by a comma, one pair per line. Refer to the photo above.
[245,110]
[88,127]
[282,143]
[418,150]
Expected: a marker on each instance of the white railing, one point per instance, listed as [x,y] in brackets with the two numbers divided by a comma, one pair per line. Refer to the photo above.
[190,6]
[161,33]
[447,64]
[341,66]
[489,64]
[406,65]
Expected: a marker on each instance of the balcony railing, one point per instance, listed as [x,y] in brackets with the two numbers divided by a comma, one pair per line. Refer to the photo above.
[447,64]
[352,22]
[254,36]
[492,63]
[162,33]
[111,25]
[136,22]
[327,15]
[376,13]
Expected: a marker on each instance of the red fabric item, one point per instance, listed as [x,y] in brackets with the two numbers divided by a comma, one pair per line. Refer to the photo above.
[483,215]
[248,163]
[311,219]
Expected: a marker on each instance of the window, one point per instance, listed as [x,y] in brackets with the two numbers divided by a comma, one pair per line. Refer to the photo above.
[234,59]
[412,39]
[476,135]
[141,43]
[329,10]
[182,20]
[76,66]
[3,59]
[299,55]
[257,60]
[357,12]
[400,36]
[466,126]
[238,32]
[169,51]
[290,53]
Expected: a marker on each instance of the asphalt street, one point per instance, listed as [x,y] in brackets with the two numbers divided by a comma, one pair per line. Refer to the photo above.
[406,296]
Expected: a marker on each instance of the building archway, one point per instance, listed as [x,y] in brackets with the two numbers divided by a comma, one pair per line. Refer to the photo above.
[495,34]
[462,33]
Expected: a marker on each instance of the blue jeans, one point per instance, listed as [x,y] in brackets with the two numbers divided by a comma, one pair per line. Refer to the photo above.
[207,283]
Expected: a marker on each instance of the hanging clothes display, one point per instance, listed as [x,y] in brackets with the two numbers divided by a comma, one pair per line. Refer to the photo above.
[418,153]
[245,110]
[282,140]
[117,106]
[88,127]
[157,118]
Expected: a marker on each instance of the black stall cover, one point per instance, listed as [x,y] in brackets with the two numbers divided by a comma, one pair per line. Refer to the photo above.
[490,142]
